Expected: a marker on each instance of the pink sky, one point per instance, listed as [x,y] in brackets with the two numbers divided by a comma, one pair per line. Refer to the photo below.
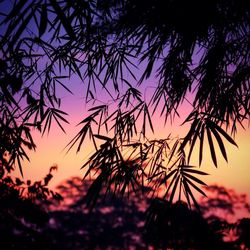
[234,174]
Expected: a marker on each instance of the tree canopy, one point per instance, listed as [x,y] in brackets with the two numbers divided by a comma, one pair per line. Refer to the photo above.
[189,48]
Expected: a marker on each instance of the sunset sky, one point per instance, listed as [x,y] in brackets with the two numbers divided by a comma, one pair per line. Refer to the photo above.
[124,124]
[50,149]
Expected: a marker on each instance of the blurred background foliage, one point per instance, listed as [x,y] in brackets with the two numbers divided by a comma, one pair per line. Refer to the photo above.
[62,219]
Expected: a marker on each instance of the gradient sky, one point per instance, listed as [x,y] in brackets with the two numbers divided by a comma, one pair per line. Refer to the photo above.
[234,174]
[50,150]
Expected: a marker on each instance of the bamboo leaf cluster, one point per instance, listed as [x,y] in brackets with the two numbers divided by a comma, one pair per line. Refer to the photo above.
[191,52]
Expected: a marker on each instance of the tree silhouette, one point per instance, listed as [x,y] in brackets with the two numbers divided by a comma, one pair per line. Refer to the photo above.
[118,222]
[23,213]
[116,47]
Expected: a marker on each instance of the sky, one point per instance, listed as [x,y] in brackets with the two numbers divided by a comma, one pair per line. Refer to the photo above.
[50,150]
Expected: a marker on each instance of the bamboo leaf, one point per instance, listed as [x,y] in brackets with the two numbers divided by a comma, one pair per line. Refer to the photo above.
[47,116]
[184,167]
[57,112]
[211,146]
[191,116]
[43,20]
[194,171]
[59,124]
[102,137]
[190,134]
[220,142]
[82,134]
[193,178]
[221,131]
[195,187]
[168,175]
[189,192]
[65,21]
[19,165]
[97,108]
[173,150]
[174,188]
[172,181]
[197,132]
[201,143]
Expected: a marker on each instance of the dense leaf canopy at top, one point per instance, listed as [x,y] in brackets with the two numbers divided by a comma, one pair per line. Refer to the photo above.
[198,47]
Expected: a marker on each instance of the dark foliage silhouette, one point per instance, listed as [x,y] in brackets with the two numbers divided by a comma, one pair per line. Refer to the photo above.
[177,227]
[221,198]
[119,223]
[23,212]
[193,52]
[243,229]
[114,223]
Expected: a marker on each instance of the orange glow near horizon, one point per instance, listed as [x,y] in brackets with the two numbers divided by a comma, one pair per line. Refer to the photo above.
[50,150]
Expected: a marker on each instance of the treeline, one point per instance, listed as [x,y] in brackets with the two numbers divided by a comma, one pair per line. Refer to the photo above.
[35,217]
